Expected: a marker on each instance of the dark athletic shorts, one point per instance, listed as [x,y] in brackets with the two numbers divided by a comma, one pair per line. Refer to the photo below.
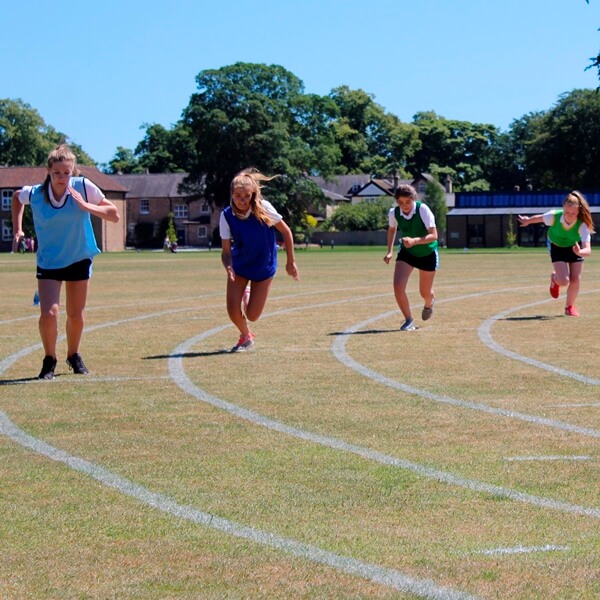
[563,254]
[423,263]
[79,271]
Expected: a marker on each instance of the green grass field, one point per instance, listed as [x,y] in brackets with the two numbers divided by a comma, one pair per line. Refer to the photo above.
[340,459]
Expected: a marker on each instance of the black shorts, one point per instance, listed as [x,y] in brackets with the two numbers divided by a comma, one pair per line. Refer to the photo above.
[563,254]
[430,262]
[79,271]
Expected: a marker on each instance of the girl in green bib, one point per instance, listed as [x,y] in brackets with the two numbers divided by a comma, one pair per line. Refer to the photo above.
[418,250]
[569,234]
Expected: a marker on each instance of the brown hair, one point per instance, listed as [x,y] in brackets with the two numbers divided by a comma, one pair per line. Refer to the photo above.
[251,178]
[404,190]
[62,153]
[576,198]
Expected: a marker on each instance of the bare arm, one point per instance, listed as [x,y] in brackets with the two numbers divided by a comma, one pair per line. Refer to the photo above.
[226,258]
[391,236]
[288,242]
[105,210]
[17,219]
[582,249]
[431,236]
[524,221]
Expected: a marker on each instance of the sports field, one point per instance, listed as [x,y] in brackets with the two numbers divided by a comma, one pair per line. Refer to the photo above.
[340,459]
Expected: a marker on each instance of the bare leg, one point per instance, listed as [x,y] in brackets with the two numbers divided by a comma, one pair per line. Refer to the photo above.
[402,272]
[235,292]
[259,292]
[49,291]
[426,287]
[76,299]
[575,271]
[561,273]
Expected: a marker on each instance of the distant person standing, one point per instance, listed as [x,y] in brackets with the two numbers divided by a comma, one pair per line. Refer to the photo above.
[418,250]
[249,251]
[569,242]
[66,246]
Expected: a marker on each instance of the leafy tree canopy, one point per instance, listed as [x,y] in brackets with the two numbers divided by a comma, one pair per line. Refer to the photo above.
[26,140]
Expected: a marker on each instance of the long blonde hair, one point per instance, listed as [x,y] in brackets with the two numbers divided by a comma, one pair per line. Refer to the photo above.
[250,179]
[62,153]
[576,198]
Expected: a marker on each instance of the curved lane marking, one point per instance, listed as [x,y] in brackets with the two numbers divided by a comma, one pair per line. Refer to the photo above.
[424,588]
[485,335]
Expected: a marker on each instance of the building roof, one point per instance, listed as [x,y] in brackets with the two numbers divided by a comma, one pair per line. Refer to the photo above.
[17,177]
[341,187]
[159,185]
[515,210]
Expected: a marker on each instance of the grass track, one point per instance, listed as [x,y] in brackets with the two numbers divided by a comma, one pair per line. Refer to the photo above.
[65,535]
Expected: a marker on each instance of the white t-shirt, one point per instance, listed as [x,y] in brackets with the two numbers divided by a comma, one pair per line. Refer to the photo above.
[225,230]
[424,212]
[93,192]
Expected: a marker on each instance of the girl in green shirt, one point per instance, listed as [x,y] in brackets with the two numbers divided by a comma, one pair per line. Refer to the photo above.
[569,242]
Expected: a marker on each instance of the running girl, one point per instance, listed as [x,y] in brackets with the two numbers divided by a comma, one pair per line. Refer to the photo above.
[569,242]
[418,250]
[249,251]
[61,208]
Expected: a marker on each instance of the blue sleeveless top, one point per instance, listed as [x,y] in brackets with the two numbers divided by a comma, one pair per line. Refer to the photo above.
[65,234]
[254,249]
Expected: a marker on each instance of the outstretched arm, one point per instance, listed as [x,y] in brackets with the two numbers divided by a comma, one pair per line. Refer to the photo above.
[524,221]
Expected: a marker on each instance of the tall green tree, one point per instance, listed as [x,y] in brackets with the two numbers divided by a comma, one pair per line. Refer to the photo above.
[26,139]
[253,115]
[124,162]
[371,140]
[165,150]
[564,149]
[463,148]
[435,198]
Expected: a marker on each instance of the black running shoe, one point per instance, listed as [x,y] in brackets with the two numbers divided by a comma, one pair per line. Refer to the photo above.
[76,365]
[48,367]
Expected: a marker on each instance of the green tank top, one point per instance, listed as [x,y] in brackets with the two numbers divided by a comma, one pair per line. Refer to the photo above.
[560,236]
[414,227]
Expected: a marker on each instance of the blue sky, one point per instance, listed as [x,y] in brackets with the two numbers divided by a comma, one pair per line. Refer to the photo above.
[97,71]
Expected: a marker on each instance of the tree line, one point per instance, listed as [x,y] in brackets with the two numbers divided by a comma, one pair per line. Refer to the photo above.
[259,115]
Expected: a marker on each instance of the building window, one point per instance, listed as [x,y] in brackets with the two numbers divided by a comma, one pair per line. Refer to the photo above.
[475,235]
[205,210]
[421,187]
[144,206]
[7,200]
[6,231]
[180,211]
[202,233]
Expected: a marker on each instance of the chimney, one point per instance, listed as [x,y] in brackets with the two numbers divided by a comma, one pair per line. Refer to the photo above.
[448,184]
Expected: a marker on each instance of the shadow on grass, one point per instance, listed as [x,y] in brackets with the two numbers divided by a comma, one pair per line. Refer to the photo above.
[364,332]
[187,355]
[22,380]
[533,318]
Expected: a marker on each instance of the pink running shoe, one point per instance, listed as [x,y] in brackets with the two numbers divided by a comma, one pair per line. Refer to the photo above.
[554,287]
[246,342]
[571,311]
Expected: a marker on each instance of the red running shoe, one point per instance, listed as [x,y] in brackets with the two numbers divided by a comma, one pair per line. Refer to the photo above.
[554,287]
[571,311]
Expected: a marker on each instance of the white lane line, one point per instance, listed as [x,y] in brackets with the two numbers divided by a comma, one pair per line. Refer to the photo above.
[424,588]
[485,336]
[524,550]
[339,350]
[179,376]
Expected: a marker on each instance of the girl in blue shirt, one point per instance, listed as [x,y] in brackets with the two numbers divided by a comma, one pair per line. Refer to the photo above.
[249,251]
[61,208]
